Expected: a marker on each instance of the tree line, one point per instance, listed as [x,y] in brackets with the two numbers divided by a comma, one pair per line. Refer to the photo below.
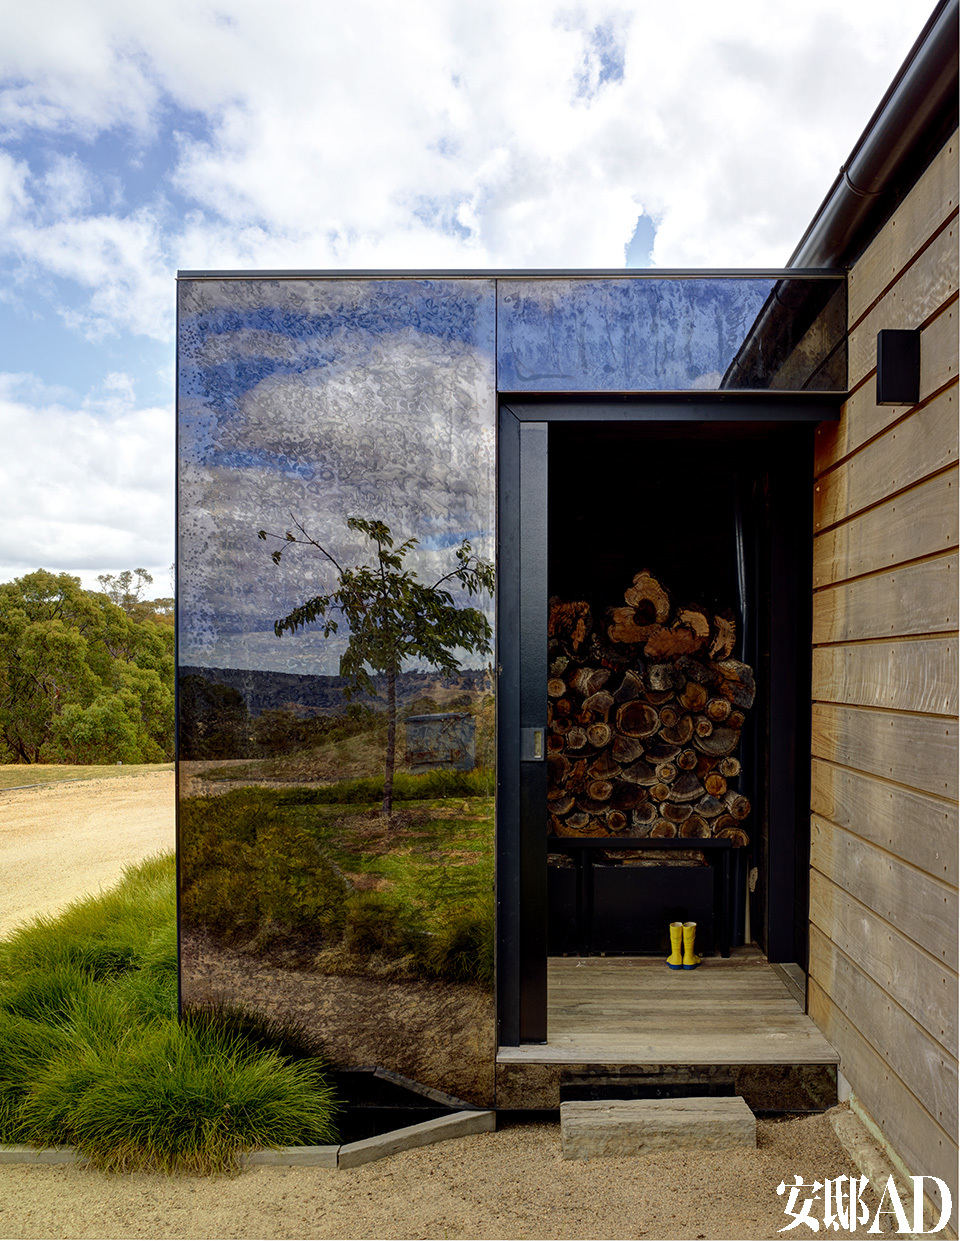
[85,676]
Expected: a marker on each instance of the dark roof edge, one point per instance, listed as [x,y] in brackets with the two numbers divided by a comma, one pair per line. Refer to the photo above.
[913,120]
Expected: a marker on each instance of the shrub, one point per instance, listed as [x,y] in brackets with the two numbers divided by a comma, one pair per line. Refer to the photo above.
[376,924]
[246,870]
[463,949]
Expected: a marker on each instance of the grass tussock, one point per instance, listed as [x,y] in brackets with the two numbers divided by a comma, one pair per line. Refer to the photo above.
[92,1054]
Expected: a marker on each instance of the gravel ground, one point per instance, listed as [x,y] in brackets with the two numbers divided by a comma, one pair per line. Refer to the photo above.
[511,1184]
[61,842]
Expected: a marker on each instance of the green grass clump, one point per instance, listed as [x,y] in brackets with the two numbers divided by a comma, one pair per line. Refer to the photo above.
[92,1054]
[177,1099]
[104,935]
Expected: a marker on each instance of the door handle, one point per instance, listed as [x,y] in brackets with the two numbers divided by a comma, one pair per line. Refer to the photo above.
[533,745]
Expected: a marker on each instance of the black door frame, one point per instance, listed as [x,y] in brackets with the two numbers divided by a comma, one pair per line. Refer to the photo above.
[523,424]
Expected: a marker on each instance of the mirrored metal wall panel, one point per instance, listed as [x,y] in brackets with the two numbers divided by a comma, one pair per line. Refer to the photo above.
[336,509]
[671,334]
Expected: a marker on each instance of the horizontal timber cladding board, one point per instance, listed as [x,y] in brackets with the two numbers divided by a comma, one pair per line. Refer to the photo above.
[911,599]
[938,352]
[922,908]
[914,674]
[917,751]
[921,445]
[910,1129]
[931,201]
[919,293]
[926,1068]
[915,523]
[861,418]
[922,830]
[922,986]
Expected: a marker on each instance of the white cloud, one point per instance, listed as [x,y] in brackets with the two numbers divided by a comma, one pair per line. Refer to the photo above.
[438,133]
[86,488]
[435,133]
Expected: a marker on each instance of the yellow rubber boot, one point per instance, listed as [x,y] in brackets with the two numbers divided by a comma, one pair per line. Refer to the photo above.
[690,958]
[675,959]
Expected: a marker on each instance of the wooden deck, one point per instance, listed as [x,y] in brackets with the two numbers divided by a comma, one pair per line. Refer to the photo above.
[633,1010]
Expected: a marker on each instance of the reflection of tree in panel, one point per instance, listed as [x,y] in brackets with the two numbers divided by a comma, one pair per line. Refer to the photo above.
[392,616]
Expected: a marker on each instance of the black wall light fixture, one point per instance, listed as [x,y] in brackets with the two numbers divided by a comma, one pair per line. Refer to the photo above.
[898,366]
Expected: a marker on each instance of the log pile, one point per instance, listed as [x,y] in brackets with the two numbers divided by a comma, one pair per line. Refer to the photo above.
[645,710]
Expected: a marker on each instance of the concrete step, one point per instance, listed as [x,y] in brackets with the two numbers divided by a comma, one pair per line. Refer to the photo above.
[589,1128]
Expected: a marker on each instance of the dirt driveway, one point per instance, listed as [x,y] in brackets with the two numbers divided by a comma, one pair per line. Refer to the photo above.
[60,842]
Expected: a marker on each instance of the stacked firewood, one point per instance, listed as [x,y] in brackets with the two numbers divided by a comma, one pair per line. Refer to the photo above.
[645,710]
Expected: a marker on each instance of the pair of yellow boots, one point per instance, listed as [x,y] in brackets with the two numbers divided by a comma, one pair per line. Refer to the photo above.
[682,956]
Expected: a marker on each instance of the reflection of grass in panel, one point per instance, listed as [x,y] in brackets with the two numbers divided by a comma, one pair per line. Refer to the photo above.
[350,748]
[275,868]
[351,757]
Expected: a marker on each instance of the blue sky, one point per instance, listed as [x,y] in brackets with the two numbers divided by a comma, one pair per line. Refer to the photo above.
[138,139]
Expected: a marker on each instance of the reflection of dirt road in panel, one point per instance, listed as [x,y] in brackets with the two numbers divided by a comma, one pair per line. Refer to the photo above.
[438,1033]
[61,842]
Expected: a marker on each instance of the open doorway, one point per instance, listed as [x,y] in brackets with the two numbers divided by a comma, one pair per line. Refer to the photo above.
[715,512]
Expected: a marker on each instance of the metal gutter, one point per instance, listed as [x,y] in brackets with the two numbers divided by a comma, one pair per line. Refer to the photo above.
[916,115]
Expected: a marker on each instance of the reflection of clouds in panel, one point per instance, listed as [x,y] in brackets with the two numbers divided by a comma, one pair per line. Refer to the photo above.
[224,348]
[630,335]
[399,428]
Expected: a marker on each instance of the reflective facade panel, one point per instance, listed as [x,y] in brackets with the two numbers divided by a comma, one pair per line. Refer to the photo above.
[357,418]
[671,334]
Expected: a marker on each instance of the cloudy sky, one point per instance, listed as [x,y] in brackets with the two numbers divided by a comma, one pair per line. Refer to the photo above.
[136,139]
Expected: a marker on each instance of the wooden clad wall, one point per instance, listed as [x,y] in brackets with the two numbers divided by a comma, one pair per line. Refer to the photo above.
[883,886]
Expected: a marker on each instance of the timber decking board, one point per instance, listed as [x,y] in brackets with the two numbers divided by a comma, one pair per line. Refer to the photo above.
[633,1010]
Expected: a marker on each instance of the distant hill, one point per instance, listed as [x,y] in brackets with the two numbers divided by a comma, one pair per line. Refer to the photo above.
[317,695]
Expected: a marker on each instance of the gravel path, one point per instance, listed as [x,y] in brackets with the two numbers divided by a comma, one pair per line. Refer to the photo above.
[514,1183]
[60,842]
